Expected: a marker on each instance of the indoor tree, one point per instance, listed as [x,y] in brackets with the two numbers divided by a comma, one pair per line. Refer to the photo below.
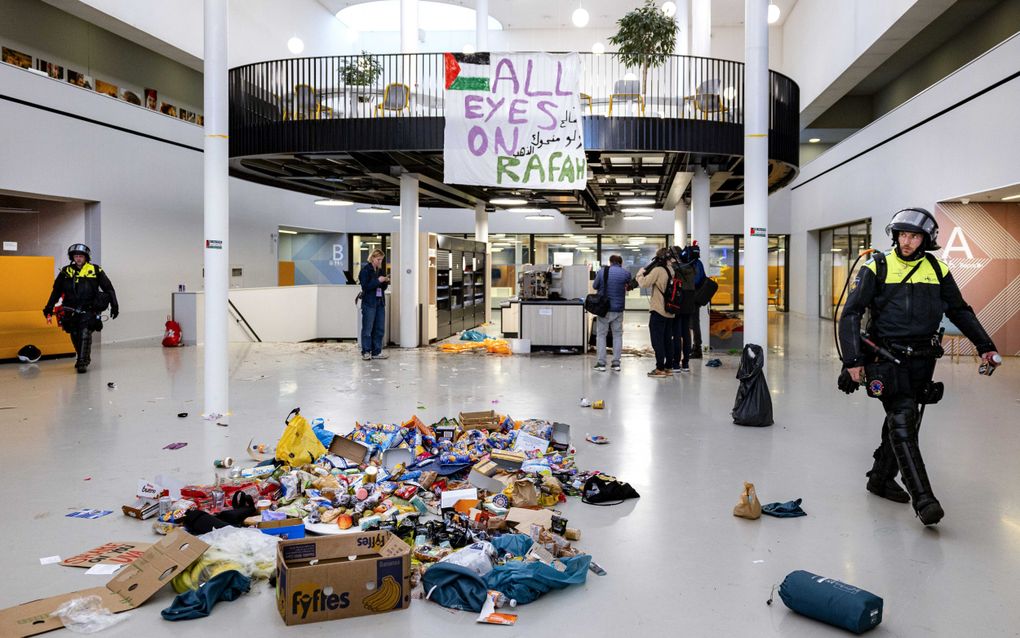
[646,38]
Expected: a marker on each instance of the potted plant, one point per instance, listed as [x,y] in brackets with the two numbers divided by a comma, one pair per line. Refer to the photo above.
[646,38]
[361,71]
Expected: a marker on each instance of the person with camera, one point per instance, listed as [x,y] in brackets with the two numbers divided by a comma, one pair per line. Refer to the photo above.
[86,292]
[374,283]
[906,291]
[679,341]
[615,281]
[694,252]
[656,276]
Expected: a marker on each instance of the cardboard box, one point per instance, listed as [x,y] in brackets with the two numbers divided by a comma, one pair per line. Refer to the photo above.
[560,437]
[510,461]
[116,553]
[350,449]
[337,587]
[396,456]
[129,588]
[446,431]
[495,483]
[287,529]
[141,509]
[485,420]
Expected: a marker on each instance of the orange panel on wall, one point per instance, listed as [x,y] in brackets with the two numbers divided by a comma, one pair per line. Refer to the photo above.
[285,276]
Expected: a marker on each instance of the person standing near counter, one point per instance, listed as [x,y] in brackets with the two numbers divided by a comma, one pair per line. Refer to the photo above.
[374,283]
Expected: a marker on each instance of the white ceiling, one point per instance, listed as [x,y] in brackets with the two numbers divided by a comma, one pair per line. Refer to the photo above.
[555,14]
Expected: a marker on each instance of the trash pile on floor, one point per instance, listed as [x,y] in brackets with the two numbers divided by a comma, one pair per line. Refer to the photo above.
[457,512]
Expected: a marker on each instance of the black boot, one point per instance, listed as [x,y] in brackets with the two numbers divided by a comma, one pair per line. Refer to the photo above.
[882,476]
[84,351]
[903,436]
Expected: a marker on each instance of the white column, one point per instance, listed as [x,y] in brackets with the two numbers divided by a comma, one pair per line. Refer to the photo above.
[683,24]
[482,234]
[481,25]
[680,224]
[409,28]
[756,194]
[217,209]
[701,27]
[409,261]
[701,232]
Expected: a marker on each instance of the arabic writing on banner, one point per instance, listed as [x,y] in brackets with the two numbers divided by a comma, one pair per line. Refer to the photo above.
[514,120]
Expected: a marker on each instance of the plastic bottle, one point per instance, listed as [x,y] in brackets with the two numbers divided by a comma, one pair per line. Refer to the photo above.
[502,600]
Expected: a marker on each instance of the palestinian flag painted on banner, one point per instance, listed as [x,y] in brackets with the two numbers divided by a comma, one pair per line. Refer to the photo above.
[467,71]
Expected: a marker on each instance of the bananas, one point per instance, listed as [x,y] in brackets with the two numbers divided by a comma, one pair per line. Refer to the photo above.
[385,598]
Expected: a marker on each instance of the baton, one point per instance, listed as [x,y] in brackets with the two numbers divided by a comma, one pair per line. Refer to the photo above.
[882,352]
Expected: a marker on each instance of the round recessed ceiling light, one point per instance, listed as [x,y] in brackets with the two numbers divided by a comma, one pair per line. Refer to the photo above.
[815,140]
[637,218]
[373,210]
[295,45]
[773,13]
[539,218]
[637,209]
[508,201]
[468,49]
[598,48]
[669,8]
[580,17]
[636,201]
[333,202]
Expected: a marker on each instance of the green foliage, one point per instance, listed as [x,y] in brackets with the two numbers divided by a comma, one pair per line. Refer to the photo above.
[362,71]
[646,37]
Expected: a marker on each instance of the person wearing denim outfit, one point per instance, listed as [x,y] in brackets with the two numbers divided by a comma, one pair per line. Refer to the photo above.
[615,287]
[373,306]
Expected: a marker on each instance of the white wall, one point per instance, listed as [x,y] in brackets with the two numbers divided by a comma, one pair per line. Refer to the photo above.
[822,39]
[149,194]
[47,233]
[970,149]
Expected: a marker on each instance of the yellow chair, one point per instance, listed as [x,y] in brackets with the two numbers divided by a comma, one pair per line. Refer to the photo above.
[396,97]
[304,104]
[628,92]
[586,97]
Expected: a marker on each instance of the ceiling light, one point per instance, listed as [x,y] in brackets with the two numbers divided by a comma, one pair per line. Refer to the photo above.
[636,240]
[638,209]
[831,250]
[538,218]
[773,13]
[729,93]
[568,245]
[669,8]
[373,209]
[333,202]
[636,201]
[580,17]
[287,232]
[637,218]
[527,210]
[295,45]
[468,49]
[1006,199]
[508,201]
[14,210]
[398,216]
[815,140]
[598,48]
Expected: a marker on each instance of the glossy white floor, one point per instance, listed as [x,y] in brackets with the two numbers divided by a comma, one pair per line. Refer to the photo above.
[678,562]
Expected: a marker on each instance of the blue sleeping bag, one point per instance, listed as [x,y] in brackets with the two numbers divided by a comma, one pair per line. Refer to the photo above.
[831,601]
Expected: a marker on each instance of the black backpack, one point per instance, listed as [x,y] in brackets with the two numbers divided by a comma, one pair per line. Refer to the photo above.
[679,294]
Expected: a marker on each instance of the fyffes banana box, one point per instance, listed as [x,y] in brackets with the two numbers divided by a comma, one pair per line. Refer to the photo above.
[334,577]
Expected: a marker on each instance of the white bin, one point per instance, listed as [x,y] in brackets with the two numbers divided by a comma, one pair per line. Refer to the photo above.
[520,346]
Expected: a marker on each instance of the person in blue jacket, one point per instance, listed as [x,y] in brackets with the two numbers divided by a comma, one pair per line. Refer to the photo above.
[694,251]
[373,282]
[615,284]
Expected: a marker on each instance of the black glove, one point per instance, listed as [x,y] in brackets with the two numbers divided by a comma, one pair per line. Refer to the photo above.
[846,383]
[47,312]
[114,311]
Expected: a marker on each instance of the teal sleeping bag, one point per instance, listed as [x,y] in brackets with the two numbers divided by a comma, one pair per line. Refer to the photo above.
[831,601]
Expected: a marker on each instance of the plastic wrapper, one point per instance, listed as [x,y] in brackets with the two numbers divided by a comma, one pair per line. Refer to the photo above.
[478,557]
[87,615]
[245,550]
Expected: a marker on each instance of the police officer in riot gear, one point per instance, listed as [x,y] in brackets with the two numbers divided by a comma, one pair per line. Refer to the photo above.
[86,292]
[905,291]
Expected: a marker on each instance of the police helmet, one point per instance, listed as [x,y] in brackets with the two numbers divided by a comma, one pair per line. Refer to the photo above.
[915,220]
[29,354]
[79,249]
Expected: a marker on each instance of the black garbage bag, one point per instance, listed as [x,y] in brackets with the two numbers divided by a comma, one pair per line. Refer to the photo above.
[753,405]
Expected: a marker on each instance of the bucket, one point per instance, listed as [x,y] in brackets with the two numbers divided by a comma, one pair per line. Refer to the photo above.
[520,346]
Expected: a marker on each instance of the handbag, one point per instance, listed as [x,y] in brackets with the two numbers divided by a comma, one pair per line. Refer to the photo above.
[603,489]
[597,303]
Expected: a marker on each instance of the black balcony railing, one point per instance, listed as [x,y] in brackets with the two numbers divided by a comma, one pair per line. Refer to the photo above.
[347,103]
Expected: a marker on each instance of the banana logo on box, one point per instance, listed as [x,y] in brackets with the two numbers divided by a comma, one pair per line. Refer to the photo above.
[385,598]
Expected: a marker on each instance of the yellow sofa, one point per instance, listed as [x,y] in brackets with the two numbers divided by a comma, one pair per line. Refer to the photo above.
[27,285]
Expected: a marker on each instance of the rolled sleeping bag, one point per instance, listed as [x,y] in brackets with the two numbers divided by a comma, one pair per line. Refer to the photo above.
[831,601]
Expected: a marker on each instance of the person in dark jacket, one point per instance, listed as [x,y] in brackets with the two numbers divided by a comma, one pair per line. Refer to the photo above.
[86,292]
[699,278]
[679,345]
[906,290]
[616,283]
[656,276]
[373,282]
